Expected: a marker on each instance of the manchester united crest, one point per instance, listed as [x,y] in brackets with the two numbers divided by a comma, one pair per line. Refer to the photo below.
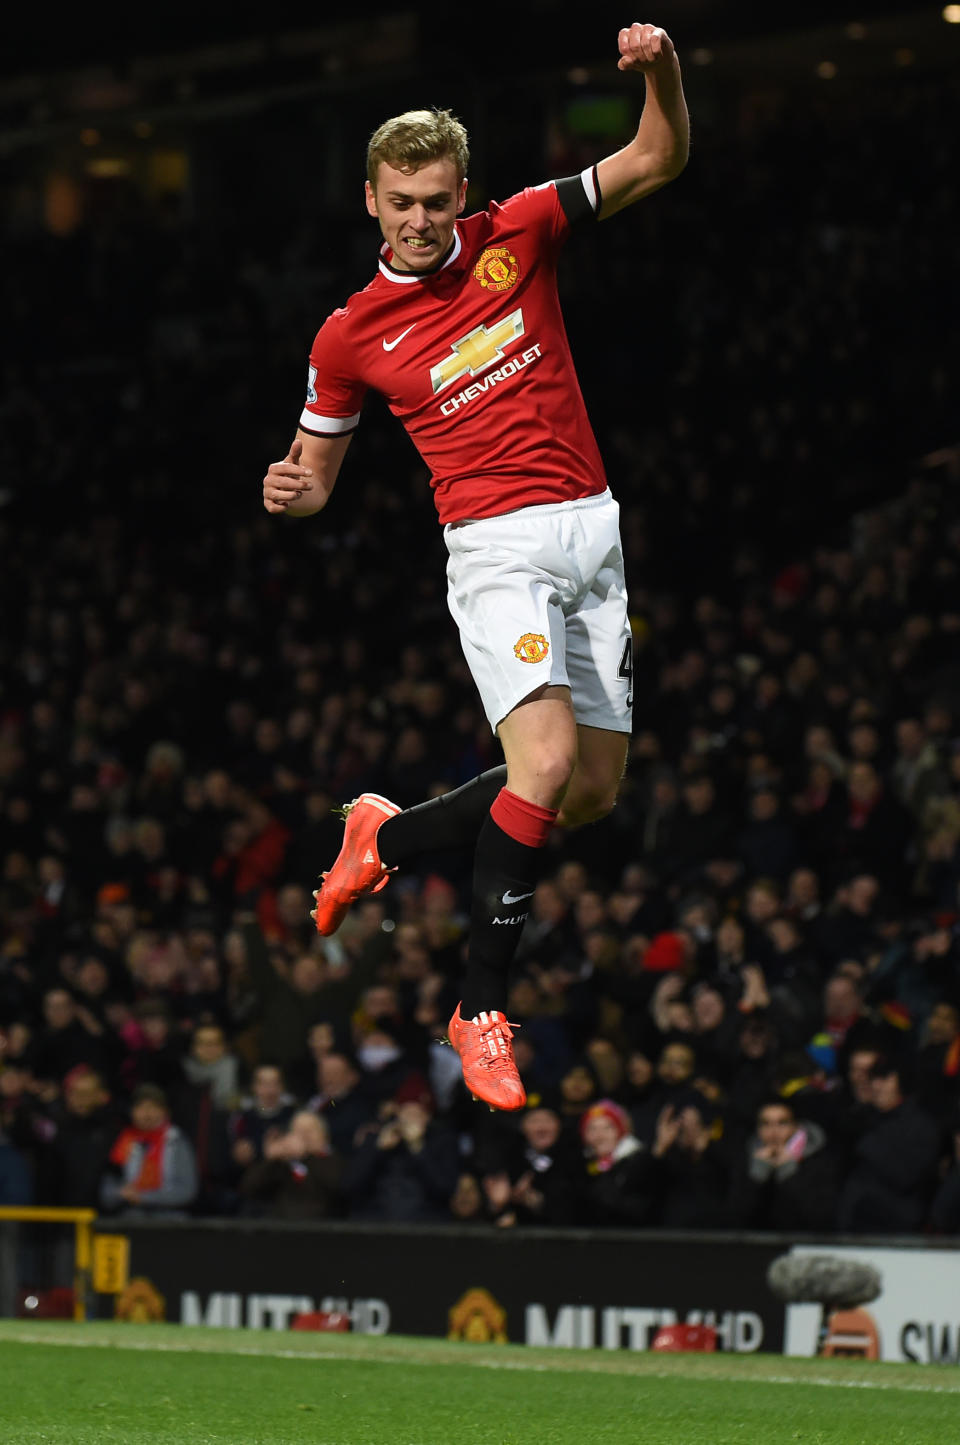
[477,1316]
[140,1302]
[531,647]
[497,269]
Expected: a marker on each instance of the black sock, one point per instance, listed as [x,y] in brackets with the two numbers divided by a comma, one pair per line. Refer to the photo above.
[450,821]
[505,874]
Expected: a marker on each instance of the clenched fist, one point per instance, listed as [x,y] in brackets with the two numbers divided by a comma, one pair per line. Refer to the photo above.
[644,47]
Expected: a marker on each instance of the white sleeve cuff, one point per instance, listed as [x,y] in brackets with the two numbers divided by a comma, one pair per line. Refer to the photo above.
[327,426]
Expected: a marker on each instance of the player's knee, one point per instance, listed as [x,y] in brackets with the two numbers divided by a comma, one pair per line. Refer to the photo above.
[546,780]
[556,770]
[587,805]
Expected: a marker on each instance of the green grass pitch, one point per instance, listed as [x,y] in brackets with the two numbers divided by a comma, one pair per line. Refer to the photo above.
[118,1384]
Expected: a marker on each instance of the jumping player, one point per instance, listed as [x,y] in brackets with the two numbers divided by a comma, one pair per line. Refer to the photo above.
[461,331]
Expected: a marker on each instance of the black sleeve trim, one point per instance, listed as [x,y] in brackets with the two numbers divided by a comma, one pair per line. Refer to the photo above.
[572,195]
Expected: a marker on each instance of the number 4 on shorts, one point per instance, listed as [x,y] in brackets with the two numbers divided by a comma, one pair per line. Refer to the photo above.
[626,668]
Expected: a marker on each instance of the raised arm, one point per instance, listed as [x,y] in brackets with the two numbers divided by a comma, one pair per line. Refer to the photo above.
[301,484]
[658,151]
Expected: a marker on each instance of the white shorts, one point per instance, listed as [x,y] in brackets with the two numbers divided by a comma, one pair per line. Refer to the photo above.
[539,597]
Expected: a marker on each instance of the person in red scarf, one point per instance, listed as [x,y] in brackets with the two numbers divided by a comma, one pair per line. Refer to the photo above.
[152,1167]
[619,1168]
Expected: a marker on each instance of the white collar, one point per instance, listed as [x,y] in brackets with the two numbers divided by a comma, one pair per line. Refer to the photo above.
[403,278]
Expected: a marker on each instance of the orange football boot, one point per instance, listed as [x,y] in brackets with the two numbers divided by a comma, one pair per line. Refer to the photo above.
[358,869]
[486,1054]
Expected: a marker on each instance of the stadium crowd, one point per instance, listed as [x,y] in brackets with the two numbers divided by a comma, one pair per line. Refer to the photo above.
[739,996]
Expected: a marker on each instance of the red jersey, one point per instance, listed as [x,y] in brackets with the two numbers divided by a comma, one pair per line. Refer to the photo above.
[473,358]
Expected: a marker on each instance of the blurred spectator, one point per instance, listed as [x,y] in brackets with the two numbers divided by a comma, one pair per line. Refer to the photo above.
[467,1202]
[715,1029]
[544,1171]
[703,829]
[70,1037]
[675,1088]
[341,1100]
[608,1064]
[787,1179]
[405,1169]
[875,827]
[767,843]
[298,1176]
[155,1051]
[752,1072]
[692,1172]
[267,1111]
[850,927]
[938,1062]
[917,775]
[844,1019]
[210,1066]
[619,1189]
[577,1090]
[290,997]
[849,1109]
[85,1126]
[792,977]
[638,1082]
[890,1184]
[151,1167]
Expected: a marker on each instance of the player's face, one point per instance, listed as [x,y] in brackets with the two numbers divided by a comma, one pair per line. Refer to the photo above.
[417,211]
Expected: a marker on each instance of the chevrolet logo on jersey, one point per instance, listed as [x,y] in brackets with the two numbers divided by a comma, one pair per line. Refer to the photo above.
[477,350]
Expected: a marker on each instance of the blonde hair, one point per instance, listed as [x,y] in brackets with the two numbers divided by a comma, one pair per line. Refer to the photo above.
[411,140]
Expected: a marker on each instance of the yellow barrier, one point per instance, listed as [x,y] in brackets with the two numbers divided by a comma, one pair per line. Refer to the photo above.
[82,1221]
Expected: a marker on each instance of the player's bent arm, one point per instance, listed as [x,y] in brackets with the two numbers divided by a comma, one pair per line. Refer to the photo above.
[301,484]
[324,457]
[659,150]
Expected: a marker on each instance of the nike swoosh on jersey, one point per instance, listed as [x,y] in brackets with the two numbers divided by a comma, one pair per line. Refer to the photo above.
[509,897]
[389,345]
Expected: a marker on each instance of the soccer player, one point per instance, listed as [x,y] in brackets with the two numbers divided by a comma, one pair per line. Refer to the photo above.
[461,331]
